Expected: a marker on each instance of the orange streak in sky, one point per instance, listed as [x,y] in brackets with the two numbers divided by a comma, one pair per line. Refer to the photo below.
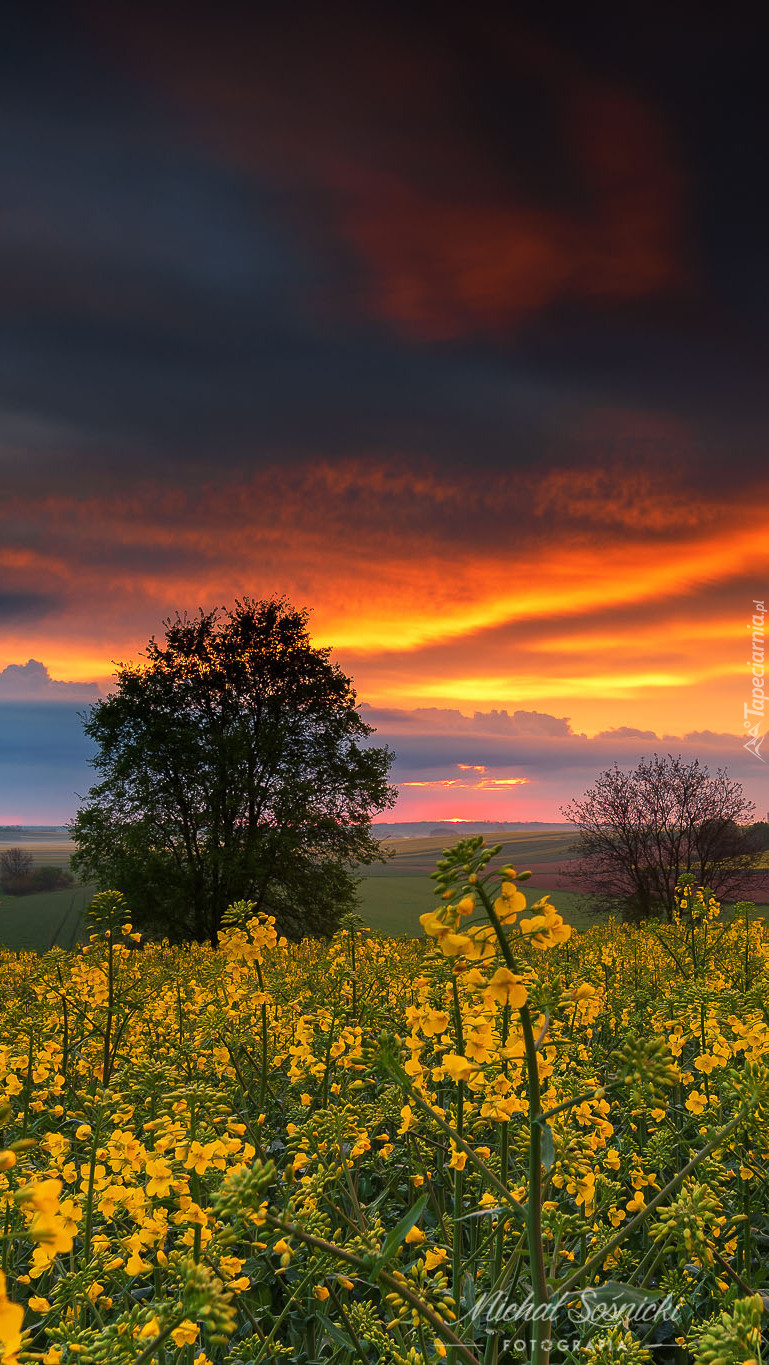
[482,619]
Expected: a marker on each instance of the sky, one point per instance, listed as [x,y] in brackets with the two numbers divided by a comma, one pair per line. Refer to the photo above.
[450,325]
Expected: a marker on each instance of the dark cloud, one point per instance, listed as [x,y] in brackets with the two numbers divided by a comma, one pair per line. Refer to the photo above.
[27,606]
[229,237]
[433,744]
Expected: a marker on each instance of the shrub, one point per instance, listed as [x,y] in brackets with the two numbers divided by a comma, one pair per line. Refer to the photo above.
[50,879]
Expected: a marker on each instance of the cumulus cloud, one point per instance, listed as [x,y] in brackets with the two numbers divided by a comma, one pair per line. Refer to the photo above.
[32,682]
[440,719]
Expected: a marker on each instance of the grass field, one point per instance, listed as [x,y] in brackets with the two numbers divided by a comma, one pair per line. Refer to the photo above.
[46,920]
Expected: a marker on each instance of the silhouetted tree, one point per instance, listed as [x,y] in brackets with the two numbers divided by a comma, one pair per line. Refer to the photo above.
[639,831]
[233,765]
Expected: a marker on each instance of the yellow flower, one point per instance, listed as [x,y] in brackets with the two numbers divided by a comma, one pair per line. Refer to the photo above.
[135,1265]
[706,1063]
[160,1174]
[434,1257]
[505,988]
[42,1196]
[407,1120]
[11,1318]
[458,1068]
[458,1159]
[414,1236]
[320,1291]
[434,1022]
[583,992]
[53,1231]
[483,944]
[509,903]
[433,924]
[452,944]
[186,1334]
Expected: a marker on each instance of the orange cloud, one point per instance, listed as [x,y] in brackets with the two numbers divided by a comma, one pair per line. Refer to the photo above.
[484,784]
[503,598]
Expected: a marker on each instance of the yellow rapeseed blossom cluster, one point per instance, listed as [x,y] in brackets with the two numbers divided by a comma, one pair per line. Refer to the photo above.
[327,1149]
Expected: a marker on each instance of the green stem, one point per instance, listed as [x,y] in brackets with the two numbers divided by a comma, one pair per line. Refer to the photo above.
[542,1326]
[458,1243]
[89,1196]
[395,1286]
[263,1084]
[360,1352]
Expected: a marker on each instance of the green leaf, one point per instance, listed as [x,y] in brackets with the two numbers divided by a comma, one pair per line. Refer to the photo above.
[332,1331]
[396,1235]
[616,1292]
[548,1149]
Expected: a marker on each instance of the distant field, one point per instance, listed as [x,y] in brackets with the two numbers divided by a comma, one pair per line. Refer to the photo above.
[54,852]
[392,895]
[49,918]
[410,856]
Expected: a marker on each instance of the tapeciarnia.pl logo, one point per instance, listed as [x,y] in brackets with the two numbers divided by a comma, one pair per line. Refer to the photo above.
[754,711]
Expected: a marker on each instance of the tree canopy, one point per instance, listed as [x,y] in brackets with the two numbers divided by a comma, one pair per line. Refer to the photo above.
[638,832]
[233,764]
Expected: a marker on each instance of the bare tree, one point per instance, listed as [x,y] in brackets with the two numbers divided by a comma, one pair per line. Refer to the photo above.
[639,832]
[15,862]
[15,870]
